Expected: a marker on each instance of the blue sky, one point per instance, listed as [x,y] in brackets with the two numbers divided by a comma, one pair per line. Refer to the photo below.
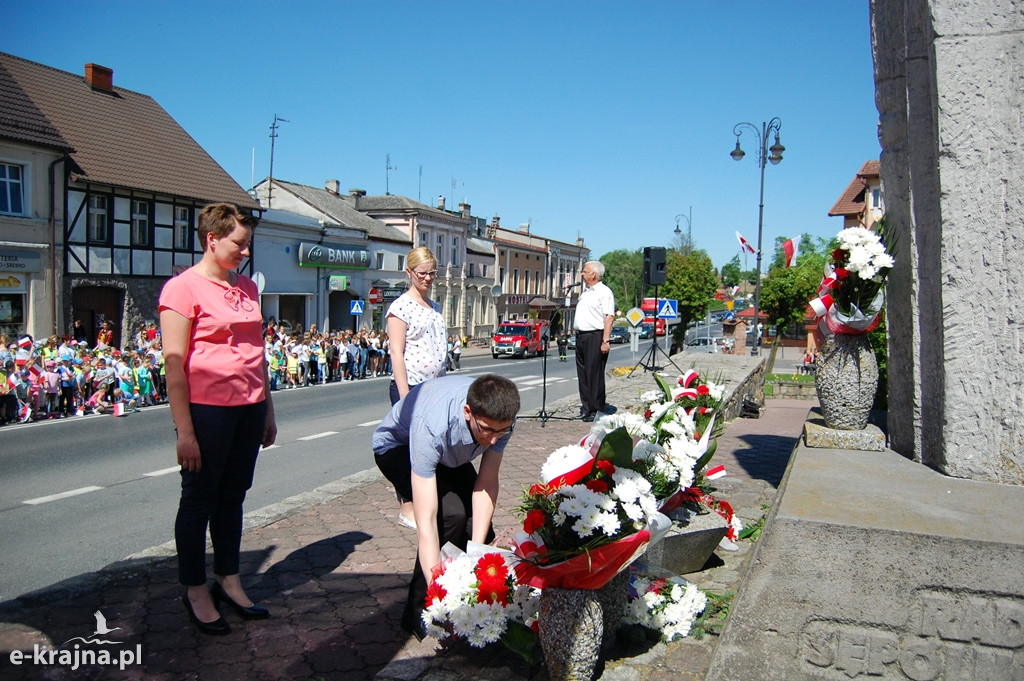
[596,119]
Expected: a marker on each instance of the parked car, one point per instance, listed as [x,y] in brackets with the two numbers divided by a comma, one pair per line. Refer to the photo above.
[647,329]
[572,341]
[703,344]
[620,334]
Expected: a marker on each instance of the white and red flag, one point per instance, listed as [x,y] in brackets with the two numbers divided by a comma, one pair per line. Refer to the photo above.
[789,248]
[25,342]
[744,244]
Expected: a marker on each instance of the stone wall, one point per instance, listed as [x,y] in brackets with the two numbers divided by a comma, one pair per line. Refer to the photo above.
[949,90]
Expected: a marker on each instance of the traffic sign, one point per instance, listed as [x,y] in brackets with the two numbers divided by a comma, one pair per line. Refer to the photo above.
[635,316]
[376,296]
[669,309]
[356,307]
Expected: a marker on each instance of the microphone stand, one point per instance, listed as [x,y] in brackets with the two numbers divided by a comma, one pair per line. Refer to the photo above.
[543,414]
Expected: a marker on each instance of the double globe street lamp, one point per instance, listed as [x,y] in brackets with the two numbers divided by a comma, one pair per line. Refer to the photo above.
[774,157]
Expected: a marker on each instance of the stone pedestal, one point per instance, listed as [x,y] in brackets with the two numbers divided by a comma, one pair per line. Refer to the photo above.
[817,434]
[689,543]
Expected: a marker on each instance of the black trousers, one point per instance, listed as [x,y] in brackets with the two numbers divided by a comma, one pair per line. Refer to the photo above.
[590,364]
[454,517]
[229,440]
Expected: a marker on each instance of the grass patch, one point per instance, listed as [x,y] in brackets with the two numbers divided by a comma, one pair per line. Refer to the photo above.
[712,620]
[797,378]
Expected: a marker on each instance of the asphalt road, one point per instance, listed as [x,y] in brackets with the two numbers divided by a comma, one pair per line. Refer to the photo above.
[78,494]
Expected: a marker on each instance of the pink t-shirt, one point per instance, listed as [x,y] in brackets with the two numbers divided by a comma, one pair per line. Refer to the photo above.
[224,364]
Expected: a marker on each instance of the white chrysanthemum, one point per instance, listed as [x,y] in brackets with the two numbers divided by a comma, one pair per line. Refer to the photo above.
[671,612]
[458,578]
[652,396]
[647,451]
[658,409]
[675,428]
[635,424]
[715,391]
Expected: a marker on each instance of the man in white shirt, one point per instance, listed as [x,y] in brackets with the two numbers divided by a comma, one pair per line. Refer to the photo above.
[595,312]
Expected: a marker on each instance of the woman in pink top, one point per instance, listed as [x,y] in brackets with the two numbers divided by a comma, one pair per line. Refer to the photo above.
[217,381]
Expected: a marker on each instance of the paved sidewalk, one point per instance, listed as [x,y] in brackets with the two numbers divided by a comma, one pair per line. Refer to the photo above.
[333,565]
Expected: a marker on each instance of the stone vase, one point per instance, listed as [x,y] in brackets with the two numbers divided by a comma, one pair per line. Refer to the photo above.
[571,628]
[846,378]
[613,597]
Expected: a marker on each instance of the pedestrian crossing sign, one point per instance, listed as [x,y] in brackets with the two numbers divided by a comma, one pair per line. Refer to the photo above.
[669,309]
[357,307]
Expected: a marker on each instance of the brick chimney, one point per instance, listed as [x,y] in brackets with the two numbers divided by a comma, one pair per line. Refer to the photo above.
[354,196]
[99,77]
[464,209]
[332,186]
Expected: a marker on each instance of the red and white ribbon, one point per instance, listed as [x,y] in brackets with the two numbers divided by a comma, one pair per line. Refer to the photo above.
[835,321]
[715,473]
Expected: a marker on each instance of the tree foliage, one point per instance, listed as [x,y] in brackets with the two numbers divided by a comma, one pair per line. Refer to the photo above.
[786,291]
[731,273]
[691,280]
[624,275]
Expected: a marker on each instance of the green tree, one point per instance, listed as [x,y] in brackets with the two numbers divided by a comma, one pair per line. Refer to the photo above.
[731,274]
[624,275]
[691,280]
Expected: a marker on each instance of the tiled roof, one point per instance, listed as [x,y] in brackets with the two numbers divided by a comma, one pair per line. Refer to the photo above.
[392,202]
[21,119]
[341,211]
[479,246]
[120,137]
[852,200]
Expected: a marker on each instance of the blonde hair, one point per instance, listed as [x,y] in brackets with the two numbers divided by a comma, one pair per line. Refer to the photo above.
[418,256]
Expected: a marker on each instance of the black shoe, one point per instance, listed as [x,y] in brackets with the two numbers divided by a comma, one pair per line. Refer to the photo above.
[589,417]
[218,627]
[253,612]
[609,409]
[413,623]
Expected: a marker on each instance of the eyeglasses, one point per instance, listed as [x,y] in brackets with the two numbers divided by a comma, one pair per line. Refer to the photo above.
[491,431]
[425,275]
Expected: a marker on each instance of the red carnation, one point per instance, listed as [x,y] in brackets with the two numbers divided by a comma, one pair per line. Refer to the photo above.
[703,390]
[648,414]
[838,255]
[597,486]
[606,466]
[535,520]
[842,273]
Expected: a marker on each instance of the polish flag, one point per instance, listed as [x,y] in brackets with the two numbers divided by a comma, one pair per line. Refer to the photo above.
[790,248]
[744,244]
[13,380]
[25,342]
[715,473]
[118,408]
[35,371]
[25,413]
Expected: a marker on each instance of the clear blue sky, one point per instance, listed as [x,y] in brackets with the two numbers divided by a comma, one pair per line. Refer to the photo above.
[596,119]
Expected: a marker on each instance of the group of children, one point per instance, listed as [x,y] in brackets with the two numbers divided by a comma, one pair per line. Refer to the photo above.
[312,358]
[59,378]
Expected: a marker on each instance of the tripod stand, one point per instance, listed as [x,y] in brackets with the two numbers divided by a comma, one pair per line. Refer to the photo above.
[649,359]
[543,414]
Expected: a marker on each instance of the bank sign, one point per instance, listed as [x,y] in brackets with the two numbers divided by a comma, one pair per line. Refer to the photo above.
[319,255]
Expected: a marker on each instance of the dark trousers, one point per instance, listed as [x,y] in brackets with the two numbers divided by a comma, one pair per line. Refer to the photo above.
[590,364]
[455,511]
[67,400]
[229,440]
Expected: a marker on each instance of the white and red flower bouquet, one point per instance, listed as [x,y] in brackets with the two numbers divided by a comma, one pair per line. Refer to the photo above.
[474,596]
[852,291]
[665,603]
[588,519]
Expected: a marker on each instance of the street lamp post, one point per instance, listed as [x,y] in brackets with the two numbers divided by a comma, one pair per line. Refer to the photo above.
[774,158]
[689,229]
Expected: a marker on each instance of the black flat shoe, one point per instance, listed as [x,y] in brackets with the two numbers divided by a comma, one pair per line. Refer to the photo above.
[253,612]
[414,625]
[218,627]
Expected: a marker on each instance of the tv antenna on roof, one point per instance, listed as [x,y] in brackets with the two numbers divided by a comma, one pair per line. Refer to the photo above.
[273,136]
[387,174]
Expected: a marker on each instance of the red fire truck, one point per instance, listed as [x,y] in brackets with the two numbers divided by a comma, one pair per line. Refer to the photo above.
[650,310]
[523,338]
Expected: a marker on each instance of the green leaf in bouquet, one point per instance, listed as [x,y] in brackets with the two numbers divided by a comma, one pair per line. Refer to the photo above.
[665,387]
[617,447]
[521,640]
[705,459]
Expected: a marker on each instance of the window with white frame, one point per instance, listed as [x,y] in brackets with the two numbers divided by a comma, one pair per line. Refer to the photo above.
[455,252]
[97,219]
[439,252]
[380,261]
[140,223]
[424,239]
[12,189]
[182,233]
[876,198]
[401,263]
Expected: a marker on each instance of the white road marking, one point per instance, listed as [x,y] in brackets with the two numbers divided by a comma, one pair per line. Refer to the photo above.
[319,435]
[162,471]
[269,447]
[368,423]
[62,495]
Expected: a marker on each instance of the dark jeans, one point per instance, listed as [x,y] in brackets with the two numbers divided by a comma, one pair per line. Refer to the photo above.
[455,510]
[229,440]
[590,364]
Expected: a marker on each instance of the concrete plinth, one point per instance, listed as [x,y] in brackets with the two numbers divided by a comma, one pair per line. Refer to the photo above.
[875,566]
[817,434]
[690,542]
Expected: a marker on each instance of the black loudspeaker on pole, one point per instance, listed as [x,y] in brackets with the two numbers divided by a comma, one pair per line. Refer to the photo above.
[654,266]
